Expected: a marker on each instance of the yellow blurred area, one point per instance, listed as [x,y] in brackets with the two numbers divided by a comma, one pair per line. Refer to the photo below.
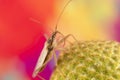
[86,19]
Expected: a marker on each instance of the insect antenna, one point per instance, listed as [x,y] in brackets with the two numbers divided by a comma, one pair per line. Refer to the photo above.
[59,17]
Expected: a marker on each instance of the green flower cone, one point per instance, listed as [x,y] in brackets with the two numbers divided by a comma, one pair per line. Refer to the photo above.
[89,60]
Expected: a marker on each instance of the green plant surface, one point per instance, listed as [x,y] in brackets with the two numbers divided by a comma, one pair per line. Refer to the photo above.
[89,60]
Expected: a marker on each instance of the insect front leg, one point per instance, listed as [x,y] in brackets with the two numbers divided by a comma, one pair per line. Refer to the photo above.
[66,37]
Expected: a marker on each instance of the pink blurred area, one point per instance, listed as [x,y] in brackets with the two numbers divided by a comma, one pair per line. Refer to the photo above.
[117,29]
[21,38]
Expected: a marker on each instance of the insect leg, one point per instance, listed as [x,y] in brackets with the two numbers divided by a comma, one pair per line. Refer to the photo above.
[56,64]
[40,77]
[62,36]
[66,37]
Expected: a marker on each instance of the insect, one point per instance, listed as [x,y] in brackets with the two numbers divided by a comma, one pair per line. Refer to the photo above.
[48,49]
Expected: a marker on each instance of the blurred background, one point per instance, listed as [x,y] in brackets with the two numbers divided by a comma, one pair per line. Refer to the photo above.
[23,24]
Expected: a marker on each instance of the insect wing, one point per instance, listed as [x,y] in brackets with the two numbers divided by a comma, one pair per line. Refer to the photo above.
[40,60]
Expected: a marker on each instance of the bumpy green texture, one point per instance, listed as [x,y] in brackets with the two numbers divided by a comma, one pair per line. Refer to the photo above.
[89,60]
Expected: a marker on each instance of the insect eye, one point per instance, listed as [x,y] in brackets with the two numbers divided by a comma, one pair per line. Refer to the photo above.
[49,40]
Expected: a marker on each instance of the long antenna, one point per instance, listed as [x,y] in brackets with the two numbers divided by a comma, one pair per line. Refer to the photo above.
[61,14]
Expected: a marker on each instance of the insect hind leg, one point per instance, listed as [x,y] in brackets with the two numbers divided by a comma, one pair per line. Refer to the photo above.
[41,77]
[56,65]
